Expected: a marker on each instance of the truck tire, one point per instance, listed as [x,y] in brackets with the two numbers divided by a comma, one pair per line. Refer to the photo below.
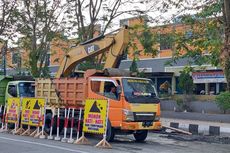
[141,135]
[110,132]
[48,124]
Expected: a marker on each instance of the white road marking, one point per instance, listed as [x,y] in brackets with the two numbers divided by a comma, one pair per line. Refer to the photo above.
[42,144]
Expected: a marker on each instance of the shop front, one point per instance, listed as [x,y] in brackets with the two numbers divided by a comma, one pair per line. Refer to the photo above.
[210,82]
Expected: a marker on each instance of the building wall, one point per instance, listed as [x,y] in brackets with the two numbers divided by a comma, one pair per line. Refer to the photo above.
[159,30]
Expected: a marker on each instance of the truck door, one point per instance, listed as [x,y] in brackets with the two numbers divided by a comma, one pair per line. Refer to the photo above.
[106,89]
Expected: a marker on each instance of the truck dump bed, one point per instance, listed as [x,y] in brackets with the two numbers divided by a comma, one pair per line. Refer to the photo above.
[62,92]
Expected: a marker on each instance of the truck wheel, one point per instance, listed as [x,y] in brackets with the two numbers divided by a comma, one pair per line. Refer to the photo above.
[61,125]
[110,132]
[141,135]
[48,124]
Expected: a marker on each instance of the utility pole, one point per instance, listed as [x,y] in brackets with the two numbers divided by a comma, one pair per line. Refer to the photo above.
[4,57]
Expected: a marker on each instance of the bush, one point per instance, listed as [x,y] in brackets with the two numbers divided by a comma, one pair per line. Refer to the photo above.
[223,101]
[186,82]
[183,104]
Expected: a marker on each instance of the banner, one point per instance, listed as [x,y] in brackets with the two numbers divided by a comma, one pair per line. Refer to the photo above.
[30,111]
[13,105]
[209,77]
[95,116]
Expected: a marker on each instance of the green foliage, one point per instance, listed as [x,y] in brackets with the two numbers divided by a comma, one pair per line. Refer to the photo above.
[37,23]
[141,74]
[185,81]
[133,67]
[146,37]
[180,104]
[203,40]
[148,40]
[223,101]
[90,64]
[207,39]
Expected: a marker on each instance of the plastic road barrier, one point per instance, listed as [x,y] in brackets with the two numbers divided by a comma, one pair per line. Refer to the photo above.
[57,138]
[64,139]
[71,140]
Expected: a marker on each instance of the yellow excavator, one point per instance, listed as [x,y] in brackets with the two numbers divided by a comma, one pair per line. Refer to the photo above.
[113,45]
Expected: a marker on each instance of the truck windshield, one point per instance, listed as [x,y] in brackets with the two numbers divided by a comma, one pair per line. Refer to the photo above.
[26,89]
[139,90]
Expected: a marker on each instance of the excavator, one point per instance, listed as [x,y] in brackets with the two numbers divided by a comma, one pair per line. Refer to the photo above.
[133,109]
[113,45]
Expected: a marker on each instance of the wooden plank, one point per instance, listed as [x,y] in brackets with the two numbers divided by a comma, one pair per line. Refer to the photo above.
[177,130]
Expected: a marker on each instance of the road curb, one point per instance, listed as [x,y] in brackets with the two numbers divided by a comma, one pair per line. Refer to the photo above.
[200,128]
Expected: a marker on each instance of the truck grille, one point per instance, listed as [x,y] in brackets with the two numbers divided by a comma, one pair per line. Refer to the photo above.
[143,116]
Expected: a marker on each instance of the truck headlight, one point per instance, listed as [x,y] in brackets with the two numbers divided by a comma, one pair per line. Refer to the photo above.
[128,115]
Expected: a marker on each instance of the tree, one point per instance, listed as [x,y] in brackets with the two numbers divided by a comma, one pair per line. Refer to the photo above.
[7,21]
[7,8]
[223,101]
[148,40]
[99,13]
[134,67]
[86,26]
[225,53]
[209,33]
[185,81]
[38,23]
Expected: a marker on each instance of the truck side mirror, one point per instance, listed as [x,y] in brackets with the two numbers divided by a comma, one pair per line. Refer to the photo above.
[119,89]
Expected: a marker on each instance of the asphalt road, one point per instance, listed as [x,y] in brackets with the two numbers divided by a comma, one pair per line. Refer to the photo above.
[156,143]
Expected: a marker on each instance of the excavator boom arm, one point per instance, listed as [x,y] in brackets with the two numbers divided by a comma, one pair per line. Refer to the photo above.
[114,44]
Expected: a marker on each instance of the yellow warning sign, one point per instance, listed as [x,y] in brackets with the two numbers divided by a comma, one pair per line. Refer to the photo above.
[13,105]
[30,111]
[95,116]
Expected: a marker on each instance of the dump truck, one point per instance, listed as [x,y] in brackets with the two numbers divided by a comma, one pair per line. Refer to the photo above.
[15,86]
[133,107]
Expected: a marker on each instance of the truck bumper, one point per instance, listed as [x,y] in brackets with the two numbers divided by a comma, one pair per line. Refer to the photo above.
[141,126]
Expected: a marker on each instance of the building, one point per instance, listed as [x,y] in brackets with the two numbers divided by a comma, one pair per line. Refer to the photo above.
[207,79]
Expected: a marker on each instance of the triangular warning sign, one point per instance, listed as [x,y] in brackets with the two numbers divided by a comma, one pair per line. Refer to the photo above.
[36,106]
[94,108]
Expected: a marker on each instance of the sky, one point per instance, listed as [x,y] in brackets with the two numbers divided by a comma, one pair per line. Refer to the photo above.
[155,13]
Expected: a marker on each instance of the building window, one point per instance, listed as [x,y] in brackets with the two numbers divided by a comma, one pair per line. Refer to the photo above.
[165,42]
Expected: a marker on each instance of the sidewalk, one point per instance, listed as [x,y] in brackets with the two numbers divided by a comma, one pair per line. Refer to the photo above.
[197,123]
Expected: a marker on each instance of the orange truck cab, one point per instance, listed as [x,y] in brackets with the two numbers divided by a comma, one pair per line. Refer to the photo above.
[133,104]
[133,108]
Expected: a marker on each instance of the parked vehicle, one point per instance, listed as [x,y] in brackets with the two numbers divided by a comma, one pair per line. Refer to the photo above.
[15,86]
[134,107]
